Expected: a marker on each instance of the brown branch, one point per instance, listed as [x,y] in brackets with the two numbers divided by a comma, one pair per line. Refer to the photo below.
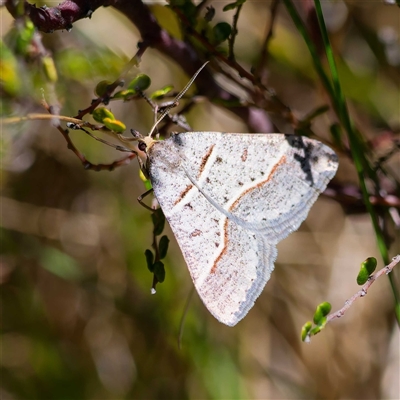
[350,197]
[63,15]
[271,102]
[185,55]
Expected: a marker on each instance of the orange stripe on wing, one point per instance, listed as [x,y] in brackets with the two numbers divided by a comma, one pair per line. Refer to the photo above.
[235,203]
[204,160]
[183,194]
[258,185]
[225,248]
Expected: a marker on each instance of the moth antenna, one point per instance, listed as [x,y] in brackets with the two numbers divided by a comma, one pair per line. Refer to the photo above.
[177,98]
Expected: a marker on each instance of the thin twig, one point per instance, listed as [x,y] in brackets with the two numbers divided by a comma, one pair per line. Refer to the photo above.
[86,163]
[38,116]
[364,289]
[268,36]
[63,15]
[234,33]
[273,103]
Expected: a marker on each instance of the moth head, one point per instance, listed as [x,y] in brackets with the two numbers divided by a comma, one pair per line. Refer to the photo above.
[146,143]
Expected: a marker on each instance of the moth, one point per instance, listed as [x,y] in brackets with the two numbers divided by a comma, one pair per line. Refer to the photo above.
[230,198]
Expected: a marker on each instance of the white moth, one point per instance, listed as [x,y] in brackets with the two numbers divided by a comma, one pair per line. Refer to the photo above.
[229,199]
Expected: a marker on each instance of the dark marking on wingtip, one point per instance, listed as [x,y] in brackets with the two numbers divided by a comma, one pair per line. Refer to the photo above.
[177,139]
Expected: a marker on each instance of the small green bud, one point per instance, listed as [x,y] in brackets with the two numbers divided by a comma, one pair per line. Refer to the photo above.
[305,329]
[102,87]
[161,92]
[140,83]
[99,114]
[315,330]
[114,125]
[367,268]
[125,94]
[321,312]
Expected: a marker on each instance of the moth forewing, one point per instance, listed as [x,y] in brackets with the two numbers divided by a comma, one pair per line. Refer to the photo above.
[229,199]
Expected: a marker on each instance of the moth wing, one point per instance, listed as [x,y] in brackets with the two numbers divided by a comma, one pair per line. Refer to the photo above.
[261,188]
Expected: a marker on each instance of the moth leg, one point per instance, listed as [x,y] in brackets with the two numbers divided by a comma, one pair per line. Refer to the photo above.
[141,197]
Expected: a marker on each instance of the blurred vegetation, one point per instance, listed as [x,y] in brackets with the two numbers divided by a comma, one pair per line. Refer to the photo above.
[78,320]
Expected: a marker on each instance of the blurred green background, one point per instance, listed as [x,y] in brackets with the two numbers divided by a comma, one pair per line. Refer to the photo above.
[77,317]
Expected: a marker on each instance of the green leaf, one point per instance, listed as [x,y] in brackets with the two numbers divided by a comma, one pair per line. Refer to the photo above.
[305,330]
[321,312]
[140,83]
[102,87]
[149,259]
[163,246]
[158,221]
[99,114]
[326,308]
[315,330]
[60,264]
[370,264]
[221,32]
[367,268]
[362,276]
[114,125]
[125,94]
[159,271]
[161,92]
